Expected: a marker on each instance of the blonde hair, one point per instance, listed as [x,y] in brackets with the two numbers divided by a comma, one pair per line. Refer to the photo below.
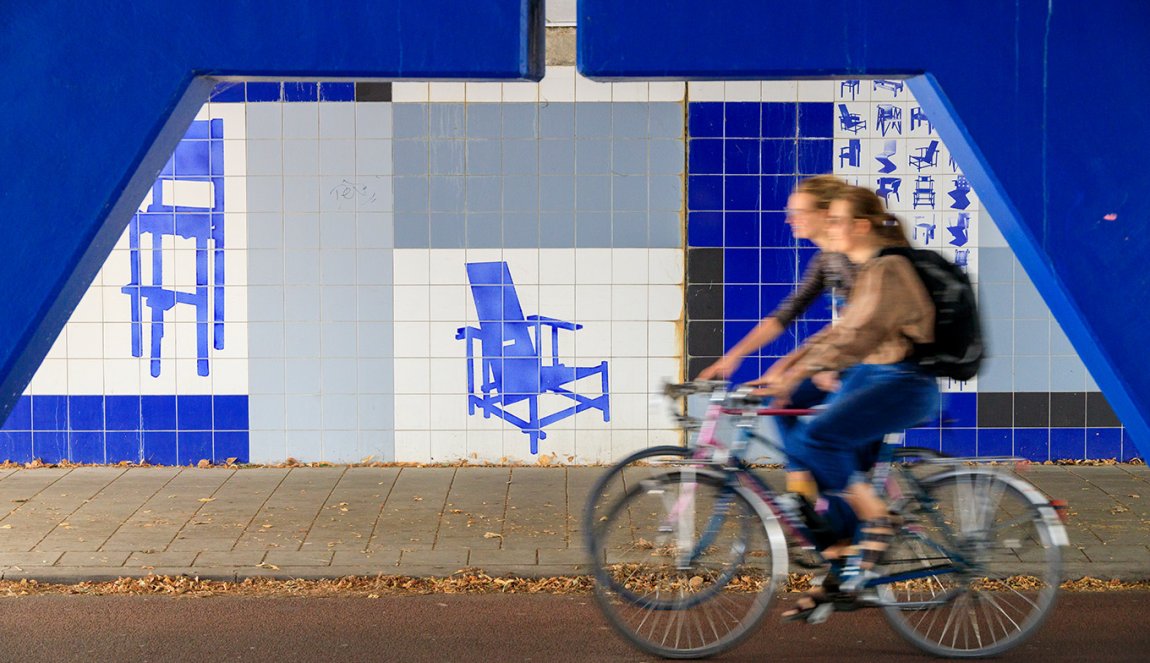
[866,204]
[824,188]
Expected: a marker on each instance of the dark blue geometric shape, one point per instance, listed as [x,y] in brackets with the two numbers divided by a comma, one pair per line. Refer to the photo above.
[86,447]
[927,438]
[122,413]
[1103,443]
[86,413]
[741,119]
[777,266]
[780,120]
[960,410]
[193,446]
[231,444]
[705,192]
[49,413]
[1068,443]
[158,412]
[50,446]
[301,91]
[770,296]
[959,441]
[1032,443]
[775,191]
[741,302]
[776,232]
[160,447]
[193,412]
[741,228]
[741,156]
[337,91]
[123,445]
[995,442]
[264,91]
[741,192]
[16,446]
[704,229]
[741,266]
[228,92]
[705,156]
[779,156]
[816,120]
[816,156]
[705,120]
[20,418]
[230,413]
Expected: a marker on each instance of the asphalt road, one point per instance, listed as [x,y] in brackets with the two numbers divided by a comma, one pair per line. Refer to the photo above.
[1112,626]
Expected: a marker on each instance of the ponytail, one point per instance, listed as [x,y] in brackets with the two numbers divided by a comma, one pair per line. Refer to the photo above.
[866,204]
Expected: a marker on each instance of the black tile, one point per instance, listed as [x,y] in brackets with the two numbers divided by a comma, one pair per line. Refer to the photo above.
[704,266]
[1068,409]
[1032,410]
[373,91]
[995,410]
[705,338]
[696,364]
[705,302]
[1099,414]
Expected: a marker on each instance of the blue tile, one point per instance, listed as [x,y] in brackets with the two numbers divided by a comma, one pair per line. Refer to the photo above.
[819,309]
[50,446]
[16,446]
[194,446]
[228,92]
[122,413]
[158,412]
[231,444]
[776,232]
[705,119]
[741,228]
[520,120]
[301,91]
[20,418]
[593,120]
[1130,449]
[741,266]
[49,413]
[777,265]
[747,371]
[122,445]
[995,442]
[959,442]
[806,253]
[1103,443]
[741,119]
[629,120]
[741,156]
[960,410]
[817,120]
[705,229]
[1032,443]
[770,296]
[781,346]
[1068,443]
[775,190]
[779,157]
[741,302]
[86,412]
[160,447]
[741,192]
[337,91]
[230,412]
[815,156]
[666,120]
[780,120]
[556,120]
[264,91]
[926,438]
[704,192]
[86,447]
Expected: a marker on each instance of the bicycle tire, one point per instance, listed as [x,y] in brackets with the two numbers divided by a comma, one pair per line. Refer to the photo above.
[1005,544]
[688,608]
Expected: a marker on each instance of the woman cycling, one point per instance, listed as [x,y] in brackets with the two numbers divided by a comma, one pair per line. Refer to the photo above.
[882,390]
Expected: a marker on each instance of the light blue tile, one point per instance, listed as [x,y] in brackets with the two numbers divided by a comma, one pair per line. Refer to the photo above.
[410,193]
[268,446]
[1067,374]
[1059,342]
[448,230]
[1032,337]
[264,121]
[485,121]
[337,266]
[339,303]
[629,120]
[1091,385]
[409,157]
[265,267]
[521,193]
[666,157]
[629,230]
[375,230]
[336,230]
[592,119]
[997,374]
[301,267]
[266,376]
[666,192]
[521,230]
[300,120]
[666,120]
[520,120]
[265,194]
[629,157]
[302,375]
[265,157]
[375,411]
[557,194]
[373,120]
[373,157]
[412,230]
[447,157]
[989,235]
[265,304]
[484,230]
[1028,303]
[301,194]
[266,411]
[996,266]
[1031,373]
[409,121]
[484,157]
[557,157]
[341,446]
[446,121]
[265,230]
[338,339]
[375,345]
[301,231]
[666,230]
[592,157]
[301,157]
[304,441]
[999,334]
[593,192]
[302,340]
[337,157]
[630,193]
[996,300]
[301,304]
[378,194]
[337,121]
[302,413]
[557,120]
[520,157]
[484,193]
[446,193]
[592,229]
[375,266]
[557,230]
[339,375]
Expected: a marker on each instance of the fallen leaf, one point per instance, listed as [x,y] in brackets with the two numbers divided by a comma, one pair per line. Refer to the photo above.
[265,565]
[207,499]
[5,526]
[204,462]
[492,535]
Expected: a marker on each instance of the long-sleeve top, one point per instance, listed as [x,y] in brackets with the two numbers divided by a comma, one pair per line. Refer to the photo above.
[826,271]
[889,310]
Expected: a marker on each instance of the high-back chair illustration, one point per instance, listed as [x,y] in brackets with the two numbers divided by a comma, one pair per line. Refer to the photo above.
[511,367]
[851,153]
[849,121]
[926,156]
[923,191]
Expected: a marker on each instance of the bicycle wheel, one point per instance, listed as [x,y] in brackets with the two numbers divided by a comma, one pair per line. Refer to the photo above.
[686,565]
[993,543]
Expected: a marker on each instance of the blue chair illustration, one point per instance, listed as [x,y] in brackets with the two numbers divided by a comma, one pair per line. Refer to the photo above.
[962,258]
[960,231]
[926,156]
[849,121]
[888,149]
[197,166]
[923,191]
[851,154]
[961,193]
[927,228]
[851,86]
[889,118]
[917,117]
[887,187]
[894,87]
[510,362]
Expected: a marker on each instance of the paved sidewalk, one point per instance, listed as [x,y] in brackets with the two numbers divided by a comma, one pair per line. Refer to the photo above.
[98,523]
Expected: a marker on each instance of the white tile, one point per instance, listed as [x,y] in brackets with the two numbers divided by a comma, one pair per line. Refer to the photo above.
[661,370]
[593,266]
[705,91]
[50,378]
[412,375]
[448,266]
[409,92]
[448,446]
[629,91]
[785,91]
[667,90]
[520,92]
[823,90]
[629,411]
[91,306]
[517,447]
[560,446]
[589,90]
[412,446]
[412,412]
[557,266]
[412,339]
[629,266]
[484,92]
[85,340]
[742,91]
[448,412]
[484,255]
[448,303]
[229,376]
[592,302]
[411,266]
[121,376]
[164,383]
[628,375]
[85,376]
[593,446]
[411,302]
[524,265]
[558,85]
[59,349]
[557,301]
[442,341]
[592,342]
[629,302]
[485,445]
[628,338]
[446,92]
[664,339]
[664,302]
[529,299]
[666,266]
[448,375]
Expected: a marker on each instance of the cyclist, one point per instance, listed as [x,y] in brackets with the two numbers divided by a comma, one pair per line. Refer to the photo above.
[882,390]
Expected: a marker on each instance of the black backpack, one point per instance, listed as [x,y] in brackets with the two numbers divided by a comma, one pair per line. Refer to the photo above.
[957,349]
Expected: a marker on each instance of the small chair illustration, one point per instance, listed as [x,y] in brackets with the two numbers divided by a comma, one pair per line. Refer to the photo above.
[923,191]
[926,157]
[851,154]
[894,87]
[889,147]
[851,85]
[888,186]
[917,117]
[927,228]
[889,118]
[960,230]
[511,360]
[960,193]
[849,121]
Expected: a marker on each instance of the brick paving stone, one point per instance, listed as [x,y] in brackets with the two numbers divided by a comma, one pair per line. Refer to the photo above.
[158,521]
[92,559]
[413,508]
[537,510]
[29,558]
[348,518]
[282,558]
[230,558]
[161,559]
[474,510]
[382,559]
[286,517]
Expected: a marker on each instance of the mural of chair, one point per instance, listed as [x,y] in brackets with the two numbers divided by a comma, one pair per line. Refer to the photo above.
[927,228]
[851,154]
[894,87]
[960,231]
[511,362]
[923,191]
[851,86]
[889,147]
[887,187]
[926,157]
[849,121]
[917,117]
[889,118]
[960,193]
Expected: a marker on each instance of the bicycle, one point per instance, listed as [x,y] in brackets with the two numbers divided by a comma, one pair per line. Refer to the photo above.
[688,560]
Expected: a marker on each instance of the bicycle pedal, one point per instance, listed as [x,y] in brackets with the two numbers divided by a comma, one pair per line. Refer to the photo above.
[821,613]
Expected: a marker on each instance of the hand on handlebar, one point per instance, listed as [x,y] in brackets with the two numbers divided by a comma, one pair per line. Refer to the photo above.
[722,368]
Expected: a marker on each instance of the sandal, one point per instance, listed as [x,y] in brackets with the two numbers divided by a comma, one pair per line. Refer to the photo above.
[806,605]
[876,535]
